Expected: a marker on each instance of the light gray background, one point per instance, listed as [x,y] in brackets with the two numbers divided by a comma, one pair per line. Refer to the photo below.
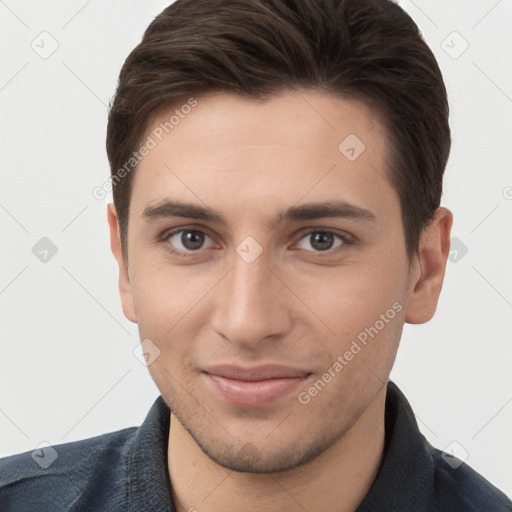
[67,368]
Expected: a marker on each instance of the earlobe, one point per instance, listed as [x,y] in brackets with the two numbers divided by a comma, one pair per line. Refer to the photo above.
[125,288]
[429,268]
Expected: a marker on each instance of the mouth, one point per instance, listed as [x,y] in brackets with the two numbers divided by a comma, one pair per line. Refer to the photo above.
[253,387]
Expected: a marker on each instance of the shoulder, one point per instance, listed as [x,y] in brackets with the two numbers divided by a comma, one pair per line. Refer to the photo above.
[62,472]
[416,476]
[459,487]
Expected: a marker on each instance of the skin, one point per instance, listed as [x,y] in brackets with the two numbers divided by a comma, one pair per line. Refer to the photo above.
[295,304]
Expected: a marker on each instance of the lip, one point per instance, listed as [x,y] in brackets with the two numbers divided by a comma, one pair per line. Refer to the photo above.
[256,373]
[253,387]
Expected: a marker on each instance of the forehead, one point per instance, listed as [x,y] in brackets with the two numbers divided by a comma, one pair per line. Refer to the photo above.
[291,118]
[228,148]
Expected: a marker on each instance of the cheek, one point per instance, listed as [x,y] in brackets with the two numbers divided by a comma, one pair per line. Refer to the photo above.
[351,297]
[361,311]
[170,314]
[365,321]
[152,294]
[169,303]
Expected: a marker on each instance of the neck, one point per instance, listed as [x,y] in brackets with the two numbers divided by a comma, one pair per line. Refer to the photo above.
[336,480]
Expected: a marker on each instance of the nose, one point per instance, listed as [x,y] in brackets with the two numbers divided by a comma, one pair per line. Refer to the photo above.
[252,304]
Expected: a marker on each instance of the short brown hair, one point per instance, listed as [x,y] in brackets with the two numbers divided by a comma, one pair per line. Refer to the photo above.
[365,49]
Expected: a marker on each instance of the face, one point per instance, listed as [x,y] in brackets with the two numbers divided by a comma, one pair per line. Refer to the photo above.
[267,263]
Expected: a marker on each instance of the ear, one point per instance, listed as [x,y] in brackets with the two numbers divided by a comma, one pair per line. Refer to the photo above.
[125,288]
[428,270]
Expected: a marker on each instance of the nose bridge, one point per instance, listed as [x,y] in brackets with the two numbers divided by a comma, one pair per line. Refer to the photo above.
[250,305]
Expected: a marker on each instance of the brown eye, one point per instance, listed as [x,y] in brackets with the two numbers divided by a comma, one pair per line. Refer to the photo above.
[321,241]
[186,240]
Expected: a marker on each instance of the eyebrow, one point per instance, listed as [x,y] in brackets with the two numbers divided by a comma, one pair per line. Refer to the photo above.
[318,210]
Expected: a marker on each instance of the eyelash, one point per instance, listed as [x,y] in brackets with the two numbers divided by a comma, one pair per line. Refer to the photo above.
[346,239]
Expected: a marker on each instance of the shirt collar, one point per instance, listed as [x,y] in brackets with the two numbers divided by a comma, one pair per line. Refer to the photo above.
[149,475]
[404,478]
[406,471]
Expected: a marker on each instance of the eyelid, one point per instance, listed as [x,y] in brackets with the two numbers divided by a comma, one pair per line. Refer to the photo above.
[189,227]
[346,236]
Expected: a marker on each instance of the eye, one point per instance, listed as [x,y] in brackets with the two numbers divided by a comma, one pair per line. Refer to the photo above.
[321,240]
[187,240]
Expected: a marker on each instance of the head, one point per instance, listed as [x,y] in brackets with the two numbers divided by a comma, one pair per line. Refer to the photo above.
[277,173]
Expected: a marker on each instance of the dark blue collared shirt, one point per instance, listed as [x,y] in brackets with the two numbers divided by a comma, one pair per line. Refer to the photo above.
[126,471]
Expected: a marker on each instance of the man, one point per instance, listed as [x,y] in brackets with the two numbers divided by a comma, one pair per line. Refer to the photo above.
[277,171]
